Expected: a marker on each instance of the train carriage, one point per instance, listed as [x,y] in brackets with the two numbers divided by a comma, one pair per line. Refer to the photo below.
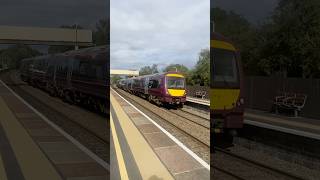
[25,69]
[227,101]
[77,76]
[162,88]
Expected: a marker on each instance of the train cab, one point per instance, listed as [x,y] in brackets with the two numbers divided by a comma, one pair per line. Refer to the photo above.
[227,101]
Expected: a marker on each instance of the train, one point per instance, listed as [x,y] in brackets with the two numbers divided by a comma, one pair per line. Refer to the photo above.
[78,77]
[227,88]
[167,89]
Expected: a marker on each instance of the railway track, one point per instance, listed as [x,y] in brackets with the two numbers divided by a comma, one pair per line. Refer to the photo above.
[191,137]
[199,120]
[225,173]
[98,144]
[251,165]
[205,116]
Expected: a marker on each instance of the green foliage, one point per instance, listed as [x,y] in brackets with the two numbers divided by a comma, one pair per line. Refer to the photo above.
[296,37]
[176,67]
[287,44]
[146,70]
[182,69]
[101,35]
[240,32]
[201,73]
[115,78]
[14,54]
[198,75]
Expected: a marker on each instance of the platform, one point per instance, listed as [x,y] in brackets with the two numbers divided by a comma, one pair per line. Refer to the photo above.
[205,102]
[300,126]
[144,150]
[33,148]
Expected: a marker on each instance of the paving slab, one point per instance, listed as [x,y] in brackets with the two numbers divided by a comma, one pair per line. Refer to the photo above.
[148,128]
[177,160]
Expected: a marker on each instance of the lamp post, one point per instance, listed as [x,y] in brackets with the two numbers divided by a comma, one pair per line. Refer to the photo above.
[76,47]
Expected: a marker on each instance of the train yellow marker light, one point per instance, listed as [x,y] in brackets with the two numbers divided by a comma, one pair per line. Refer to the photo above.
[122,165]
[175,75]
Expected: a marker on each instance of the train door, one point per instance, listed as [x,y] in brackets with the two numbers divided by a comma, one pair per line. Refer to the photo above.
[146,85]
[69,72]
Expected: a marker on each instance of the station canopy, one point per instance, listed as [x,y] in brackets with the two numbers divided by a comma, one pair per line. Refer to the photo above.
[45,36]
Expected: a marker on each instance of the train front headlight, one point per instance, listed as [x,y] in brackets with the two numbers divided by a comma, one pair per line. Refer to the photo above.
[241,101]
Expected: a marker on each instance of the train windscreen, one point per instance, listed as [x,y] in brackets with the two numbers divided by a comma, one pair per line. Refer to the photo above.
[175,83]
[225,72]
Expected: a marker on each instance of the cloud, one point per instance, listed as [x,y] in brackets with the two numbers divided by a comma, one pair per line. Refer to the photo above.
[145,32]
[52,13]
[253,10]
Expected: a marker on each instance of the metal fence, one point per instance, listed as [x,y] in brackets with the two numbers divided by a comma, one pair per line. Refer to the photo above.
[191,90]
[260,92]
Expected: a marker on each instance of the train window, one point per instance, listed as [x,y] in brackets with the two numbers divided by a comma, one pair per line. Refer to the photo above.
[99,71]
[92,72]
[83,68]
[175,83]
[153,84]
[225,66]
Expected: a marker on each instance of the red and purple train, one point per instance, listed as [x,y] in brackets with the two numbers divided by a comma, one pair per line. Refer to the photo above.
[78,77]
[167,88]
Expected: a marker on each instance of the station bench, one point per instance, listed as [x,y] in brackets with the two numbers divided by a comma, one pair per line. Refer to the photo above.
[290,101]
[200,94]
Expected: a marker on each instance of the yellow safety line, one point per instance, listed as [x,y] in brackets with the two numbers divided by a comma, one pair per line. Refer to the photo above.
[33,162]
[147,161]
[122,165]
[3,174]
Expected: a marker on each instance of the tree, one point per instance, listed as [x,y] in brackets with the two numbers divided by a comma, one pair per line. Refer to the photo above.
[241,33]
[146,70]
[201,73]
[177,67]
[101,36]
[115,78]
[291,40]
[16,53]
[63,48]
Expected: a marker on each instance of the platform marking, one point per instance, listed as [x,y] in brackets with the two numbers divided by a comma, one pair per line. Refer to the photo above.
[57,128]
[122,165]
[198,101]
[283,129]
[195,156]
[3,174]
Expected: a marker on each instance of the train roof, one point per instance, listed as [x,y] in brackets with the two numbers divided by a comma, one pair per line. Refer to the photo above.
[221,42]
[87,50]
[92,52]
[158,74]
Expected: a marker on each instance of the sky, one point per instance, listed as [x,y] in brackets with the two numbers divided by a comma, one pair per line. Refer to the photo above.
[256,11]
[52,13]
[145,32]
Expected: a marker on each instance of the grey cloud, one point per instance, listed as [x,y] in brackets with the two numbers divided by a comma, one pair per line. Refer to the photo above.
[147,32]
[254,10]
[52,13]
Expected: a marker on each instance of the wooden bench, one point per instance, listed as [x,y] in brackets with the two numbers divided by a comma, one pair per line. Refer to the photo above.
[200,94]
[291,101]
